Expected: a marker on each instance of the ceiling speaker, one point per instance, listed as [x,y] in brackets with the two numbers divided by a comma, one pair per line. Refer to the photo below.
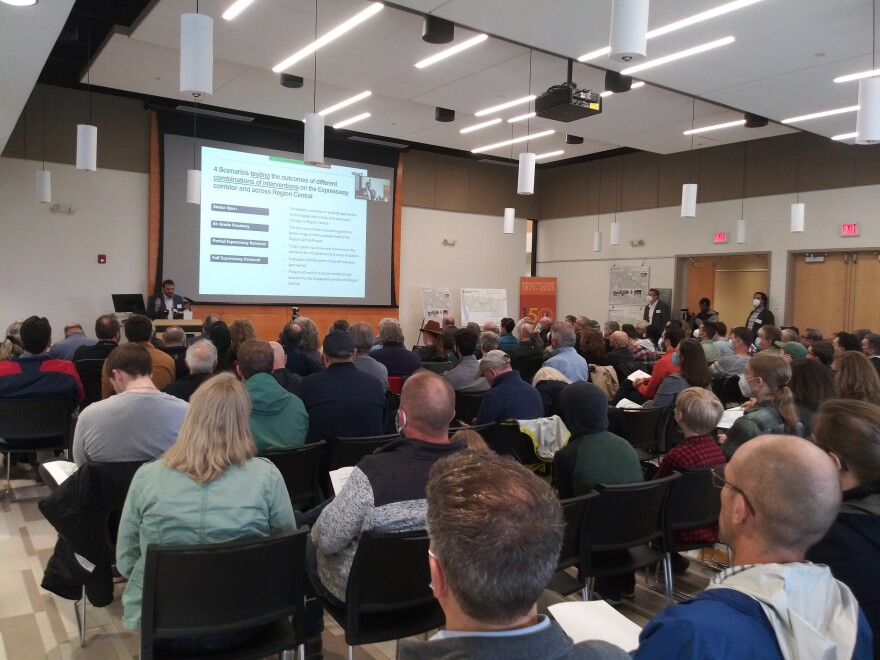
[444,114]
[755,121]
[617,83]
[437,30]
[291,81]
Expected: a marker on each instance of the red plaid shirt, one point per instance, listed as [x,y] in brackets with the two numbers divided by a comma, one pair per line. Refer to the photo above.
[642,355]
[700,451]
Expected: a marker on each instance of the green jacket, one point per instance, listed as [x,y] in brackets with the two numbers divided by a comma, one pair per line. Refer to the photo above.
[279,419]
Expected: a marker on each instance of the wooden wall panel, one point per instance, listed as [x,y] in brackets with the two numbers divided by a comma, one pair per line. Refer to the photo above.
[825,163]
[867,166]
[421,185]
[639,189]
[721,173]
[771,166]
[676,170]
[608,180]
[452,184]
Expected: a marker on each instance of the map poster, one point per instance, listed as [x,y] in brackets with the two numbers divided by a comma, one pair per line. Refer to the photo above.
[625,313]
[435,302]
[481,305]
[537,297]
[628,285]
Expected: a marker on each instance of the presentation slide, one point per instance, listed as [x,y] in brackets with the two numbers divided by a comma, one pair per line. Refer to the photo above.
[272,229]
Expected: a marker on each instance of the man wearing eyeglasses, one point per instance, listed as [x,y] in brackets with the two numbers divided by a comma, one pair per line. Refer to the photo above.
[779,495]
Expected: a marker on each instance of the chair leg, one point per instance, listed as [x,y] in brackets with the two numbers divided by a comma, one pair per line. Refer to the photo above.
[8,471]
[350,652]
[729,556]
[667,568]
[80,609]
[588,588]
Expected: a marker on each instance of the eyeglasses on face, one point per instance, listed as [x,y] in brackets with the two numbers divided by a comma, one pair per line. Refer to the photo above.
[719,481]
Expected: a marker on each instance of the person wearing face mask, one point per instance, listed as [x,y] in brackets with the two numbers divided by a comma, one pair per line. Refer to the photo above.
[760,314]
[656,311]
[693,372]
[733,365]
[766,378]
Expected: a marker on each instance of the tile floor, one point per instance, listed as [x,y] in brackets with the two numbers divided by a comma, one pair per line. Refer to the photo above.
[35,624]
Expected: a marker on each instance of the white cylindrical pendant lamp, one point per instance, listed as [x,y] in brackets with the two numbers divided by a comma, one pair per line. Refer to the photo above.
[597,241]
[313,148]
[86,147]
[797,217]
[509,220]
[868,115]
[44,186]
[196,54]
[740,231]
[689,200]
[615,233]
[193,186]
[526,182]
[629,30]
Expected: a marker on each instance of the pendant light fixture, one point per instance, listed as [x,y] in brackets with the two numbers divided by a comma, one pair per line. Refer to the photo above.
[526,176]
[868,115]
[597,235]
[44,177]
[313,139]
[741,223]
[689,190]
[629,30]
[194,176]
[87,134]
[509,220]
[798,210]
[196,54]
[615,225]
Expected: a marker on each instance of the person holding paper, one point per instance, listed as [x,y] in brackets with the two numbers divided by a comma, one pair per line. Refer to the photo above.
[496,532]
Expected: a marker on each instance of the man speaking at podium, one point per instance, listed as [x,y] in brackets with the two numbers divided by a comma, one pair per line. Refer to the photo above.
[166,305]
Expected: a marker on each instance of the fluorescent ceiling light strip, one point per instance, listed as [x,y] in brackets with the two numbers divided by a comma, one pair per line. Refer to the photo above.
[677,25]
[679,55]
[476,127]
[345,103]
[638,84]
[845,136]
[715,127]
[351,120]
[504,106]
[534,136]
[325,39]
[449,52]
[816,115]
[528,115]
[606,94]
[549,154]
[236,8]
[857,76]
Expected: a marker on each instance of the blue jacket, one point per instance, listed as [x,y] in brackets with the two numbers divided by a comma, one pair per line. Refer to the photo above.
[510,398]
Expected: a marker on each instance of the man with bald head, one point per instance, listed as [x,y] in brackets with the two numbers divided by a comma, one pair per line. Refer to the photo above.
[779,495]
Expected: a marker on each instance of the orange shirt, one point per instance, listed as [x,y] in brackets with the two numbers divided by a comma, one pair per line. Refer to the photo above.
[662,368]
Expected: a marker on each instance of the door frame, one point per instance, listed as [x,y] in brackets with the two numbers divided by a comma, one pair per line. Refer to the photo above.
[681,270]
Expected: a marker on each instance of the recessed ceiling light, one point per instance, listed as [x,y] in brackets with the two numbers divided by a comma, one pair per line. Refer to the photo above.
[449,52]
[549,154]
[715,127]
[325,39]
[351,120]
[528,115]
[846,136]
[345,103]
[857,76]
[825,113]
[476,127]
[677,25]
[504,106]
[236,8]
[533,136]
[679,55]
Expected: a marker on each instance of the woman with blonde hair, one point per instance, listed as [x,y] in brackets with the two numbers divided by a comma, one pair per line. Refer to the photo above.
[856,378]
[207,488]
[11,346]
[766,378]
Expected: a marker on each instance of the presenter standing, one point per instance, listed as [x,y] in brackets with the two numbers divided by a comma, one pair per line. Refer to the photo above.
[166,305]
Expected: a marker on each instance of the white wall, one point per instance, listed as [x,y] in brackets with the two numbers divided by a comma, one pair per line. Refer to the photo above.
[482,257]
[565,245]
[48,261]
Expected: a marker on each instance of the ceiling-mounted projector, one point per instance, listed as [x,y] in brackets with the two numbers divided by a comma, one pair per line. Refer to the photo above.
[566,103]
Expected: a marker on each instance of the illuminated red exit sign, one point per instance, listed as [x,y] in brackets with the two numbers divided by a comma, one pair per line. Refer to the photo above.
[720,237]
[849,229]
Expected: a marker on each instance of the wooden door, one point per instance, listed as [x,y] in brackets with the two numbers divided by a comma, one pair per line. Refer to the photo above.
[820,292]
[864,311]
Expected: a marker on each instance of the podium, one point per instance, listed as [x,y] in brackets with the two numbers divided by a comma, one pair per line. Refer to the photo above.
[192,328]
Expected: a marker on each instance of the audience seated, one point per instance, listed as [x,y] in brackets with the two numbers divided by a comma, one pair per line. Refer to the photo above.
[137,424]
[210,320]
[550,384]
[690,359]
[449,330]
[89,359]
[394,355]
[619,356]
[489,341]
[850,432]
[309,338]
[871,348]
[207,488]
[297,361]
[218,333]
[791,350]
[508,396]
[525,346]
[433,350]
[647,387]
[174,343]
[766,338]
[362,335]
[845,341]
[278,418]
[735,364]
[507,338]
[855,377]
[11,346]
[240,331]
[822,351]
[493,550]
[644,358]
[563,357]
[769,604]
[139,330]
[284,376]
[464,377]
[811,384]
[592,346]
[766,379]
[74,337]
[201,360]
[810,335]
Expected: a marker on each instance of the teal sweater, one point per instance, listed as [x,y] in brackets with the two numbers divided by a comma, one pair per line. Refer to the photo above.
[279,419]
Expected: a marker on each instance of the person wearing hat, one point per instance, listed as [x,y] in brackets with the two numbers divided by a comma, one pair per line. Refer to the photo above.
[509,396]
[342,400]
[791,350]
[433,350]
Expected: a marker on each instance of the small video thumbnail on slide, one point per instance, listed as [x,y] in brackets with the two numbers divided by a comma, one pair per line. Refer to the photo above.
[372,189]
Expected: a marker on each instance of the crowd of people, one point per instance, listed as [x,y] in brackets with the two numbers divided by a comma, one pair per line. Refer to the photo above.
[201,410]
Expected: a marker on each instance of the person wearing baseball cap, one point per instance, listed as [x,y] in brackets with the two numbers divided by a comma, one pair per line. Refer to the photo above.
[791,350]
[509,396]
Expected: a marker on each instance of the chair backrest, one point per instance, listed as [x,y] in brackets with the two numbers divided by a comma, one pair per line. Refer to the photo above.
[467,405]
[300,468]
[669,434]
[641,427]
[35,419]
[726,388]
[624,516]
[213,588]
[479,428]
[693,502]
[574,509]
[395,384]
[527,365]
[438,367]
[348,451]
[507,440]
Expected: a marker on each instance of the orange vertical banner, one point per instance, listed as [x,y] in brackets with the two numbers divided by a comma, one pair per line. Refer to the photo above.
[537,297]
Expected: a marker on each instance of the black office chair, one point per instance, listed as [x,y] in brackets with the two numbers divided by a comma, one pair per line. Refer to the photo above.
[479,428]
[527,365]
[300,468]
[575,511]
[214,588]
[388,595]
[726,388]
[29,425]
[348,451]
[467,405]
[438,367]
[621,523]
[506,439]
[642,429]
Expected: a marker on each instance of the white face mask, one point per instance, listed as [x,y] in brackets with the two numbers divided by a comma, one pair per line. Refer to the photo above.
[757,302]
[744,387]
[696,333]
[650,299]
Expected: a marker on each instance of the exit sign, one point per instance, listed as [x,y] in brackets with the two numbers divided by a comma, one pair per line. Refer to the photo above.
[719,237]
[849,229]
